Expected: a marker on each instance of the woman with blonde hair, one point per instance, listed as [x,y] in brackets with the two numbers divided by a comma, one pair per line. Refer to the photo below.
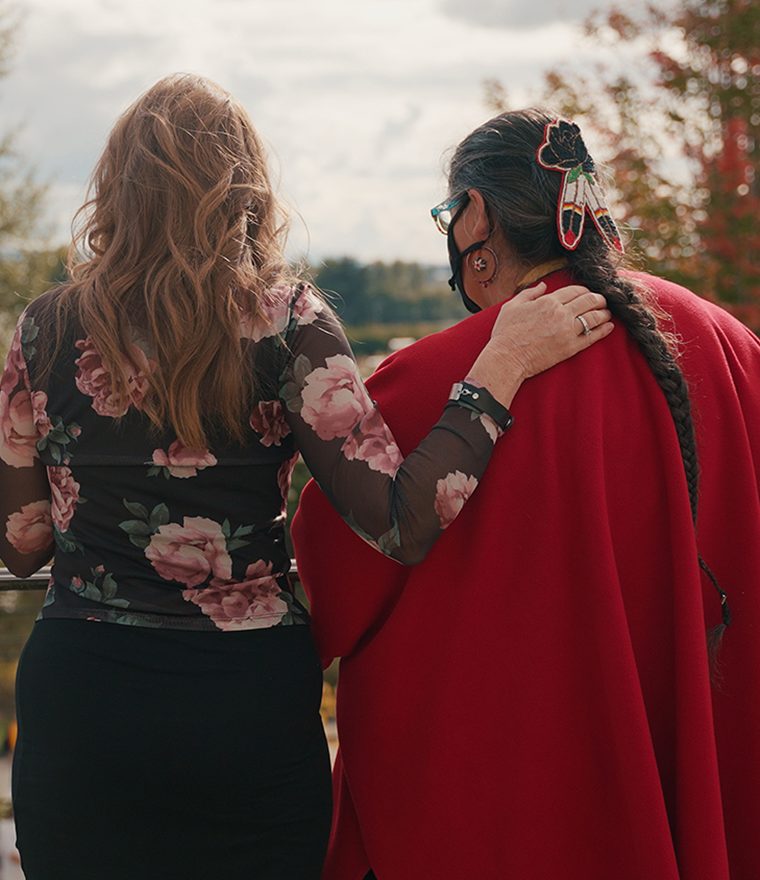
[151,410]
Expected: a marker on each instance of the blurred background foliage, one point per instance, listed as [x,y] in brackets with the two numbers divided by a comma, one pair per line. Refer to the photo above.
[28,263]
[679,132]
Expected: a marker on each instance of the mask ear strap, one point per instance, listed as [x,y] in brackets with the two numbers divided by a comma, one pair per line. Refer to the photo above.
[455,282]
[456,258]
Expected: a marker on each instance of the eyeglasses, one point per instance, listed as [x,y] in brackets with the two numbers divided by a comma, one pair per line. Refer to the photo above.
[444,214]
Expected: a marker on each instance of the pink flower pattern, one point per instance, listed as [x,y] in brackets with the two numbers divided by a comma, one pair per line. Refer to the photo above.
[268,420]
[491,428]
[191,552]
[64,491]
[183,462]
[248,604]
[451,494]
[31,528]
[271,317]
[18,434]
[308,307]
[318,381]
[334,398]
[40,416]
[273,313]
[373,442]
[94,380]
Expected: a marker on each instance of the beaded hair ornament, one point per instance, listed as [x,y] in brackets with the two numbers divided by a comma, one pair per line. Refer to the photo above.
[562,149]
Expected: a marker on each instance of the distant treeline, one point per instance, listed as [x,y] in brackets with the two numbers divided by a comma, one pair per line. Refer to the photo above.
[388,293]
[377,301]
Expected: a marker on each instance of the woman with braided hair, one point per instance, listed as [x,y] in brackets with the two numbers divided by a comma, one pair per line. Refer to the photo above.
[559,691]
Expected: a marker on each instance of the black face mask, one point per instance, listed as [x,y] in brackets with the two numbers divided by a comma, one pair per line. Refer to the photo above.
[456,259]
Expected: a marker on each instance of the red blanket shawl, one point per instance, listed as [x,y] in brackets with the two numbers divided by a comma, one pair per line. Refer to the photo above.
[533,701]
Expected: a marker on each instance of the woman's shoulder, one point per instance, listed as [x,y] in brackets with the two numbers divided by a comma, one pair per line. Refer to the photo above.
[306,302]
[281,309]
[48,317]
[695,315]
[51,312]
[48,300]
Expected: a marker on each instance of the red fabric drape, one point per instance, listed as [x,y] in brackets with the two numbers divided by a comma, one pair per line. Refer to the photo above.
[533,701]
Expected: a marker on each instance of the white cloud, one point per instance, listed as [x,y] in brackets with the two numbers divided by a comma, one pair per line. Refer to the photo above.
[518,13]
[357,101]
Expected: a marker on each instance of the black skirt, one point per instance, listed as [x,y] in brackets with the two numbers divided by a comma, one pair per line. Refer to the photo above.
[168,754]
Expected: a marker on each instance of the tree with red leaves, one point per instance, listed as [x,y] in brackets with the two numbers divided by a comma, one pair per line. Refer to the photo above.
[676,117]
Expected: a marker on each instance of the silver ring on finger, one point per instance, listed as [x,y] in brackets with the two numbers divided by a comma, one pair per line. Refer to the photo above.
[584,324]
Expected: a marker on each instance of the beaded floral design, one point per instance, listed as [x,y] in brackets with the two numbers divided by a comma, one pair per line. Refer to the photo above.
[563,150]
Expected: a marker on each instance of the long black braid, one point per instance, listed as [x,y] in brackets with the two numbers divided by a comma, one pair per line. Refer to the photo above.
[499,160]
[592,265]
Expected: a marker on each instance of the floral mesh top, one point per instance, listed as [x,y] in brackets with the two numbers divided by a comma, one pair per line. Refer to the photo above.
[147,532]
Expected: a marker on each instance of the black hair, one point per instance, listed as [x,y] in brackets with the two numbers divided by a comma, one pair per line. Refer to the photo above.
[499,160]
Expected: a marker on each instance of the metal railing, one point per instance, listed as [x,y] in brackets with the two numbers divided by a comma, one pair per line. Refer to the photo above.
[39,580]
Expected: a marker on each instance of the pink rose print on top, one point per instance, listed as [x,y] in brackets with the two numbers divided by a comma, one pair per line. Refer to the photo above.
[18,435]
[191,552]
[273,313]
[252,603]
[268,420]
[31,528]
[491,428]
[64,491]
[334,398]
[373,442]
[271,316]
[94,380]
[39,413]
[451,493]
[307,307]
[180,461]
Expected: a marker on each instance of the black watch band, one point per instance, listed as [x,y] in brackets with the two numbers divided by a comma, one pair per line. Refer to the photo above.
[482,401]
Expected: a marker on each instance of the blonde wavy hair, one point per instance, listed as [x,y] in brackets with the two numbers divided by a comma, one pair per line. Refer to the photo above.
[180,238]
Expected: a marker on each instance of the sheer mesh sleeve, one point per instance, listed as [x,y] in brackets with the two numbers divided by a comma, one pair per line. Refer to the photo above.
[400,505]
[26,529]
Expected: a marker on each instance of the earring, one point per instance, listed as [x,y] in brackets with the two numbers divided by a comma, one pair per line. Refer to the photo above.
[480,264]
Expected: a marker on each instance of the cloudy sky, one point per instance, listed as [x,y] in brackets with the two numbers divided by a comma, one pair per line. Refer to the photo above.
[358,100]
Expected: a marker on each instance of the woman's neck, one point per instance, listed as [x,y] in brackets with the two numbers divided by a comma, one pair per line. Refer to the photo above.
[538,272]
[512,280]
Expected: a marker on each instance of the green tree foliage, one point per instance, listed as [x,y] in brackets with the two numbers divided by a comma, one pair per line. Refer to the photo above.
[26,268]
[383,293]
[680,130]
